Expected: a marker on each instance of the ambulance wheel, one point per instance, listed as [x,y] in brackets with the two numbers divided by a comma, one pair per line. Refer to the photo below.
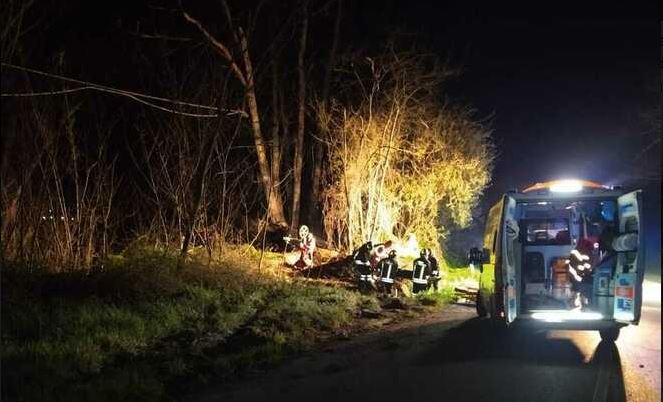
[481,309]
[609,334]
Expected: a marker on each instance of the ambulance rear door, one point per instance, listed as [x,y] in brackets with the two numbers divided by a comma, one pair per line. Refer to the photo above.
[630,262]
[509,282]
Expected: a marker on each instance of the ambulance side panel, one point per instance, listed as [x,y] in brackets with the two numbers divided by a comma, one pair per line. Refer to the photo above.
[491,242]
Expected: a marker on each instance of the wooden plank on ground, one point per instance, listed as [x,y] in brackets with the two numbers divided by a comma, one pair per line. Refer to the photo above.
[467,293]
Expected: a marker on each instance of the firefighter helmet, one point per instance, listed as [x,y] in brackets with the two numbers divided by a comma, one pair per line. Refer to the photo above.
[392,254]
[303,231]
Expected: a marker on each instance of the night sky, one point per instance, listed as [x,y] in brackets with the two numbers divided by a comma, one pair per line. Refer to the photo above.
[567,93]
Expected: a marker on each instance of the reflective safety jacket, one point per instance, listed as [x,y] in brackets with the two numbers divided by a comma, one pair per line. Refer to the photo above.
[387,268]
[361,262]
[307,247]
[420,271]
[579,267]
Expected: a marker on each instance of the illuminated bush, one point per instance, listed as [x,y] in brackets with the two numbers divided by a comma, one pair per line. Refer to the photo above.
[400,160]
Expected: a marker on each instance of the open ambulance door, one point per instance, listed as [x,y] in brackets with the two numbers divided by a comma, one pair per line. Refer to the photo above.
[630,269]
[509,279]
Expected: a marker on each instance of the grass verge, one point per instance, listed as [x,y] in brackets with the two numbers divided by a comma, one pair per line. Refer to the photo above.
[142,329]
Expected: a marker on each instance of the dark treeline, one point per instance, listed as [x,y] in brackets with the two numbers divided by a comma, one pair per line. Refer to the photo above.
[206,123]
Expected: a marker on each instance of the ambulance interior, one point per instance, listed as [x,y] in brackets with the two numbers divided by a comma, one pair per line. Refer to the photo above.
[548,232]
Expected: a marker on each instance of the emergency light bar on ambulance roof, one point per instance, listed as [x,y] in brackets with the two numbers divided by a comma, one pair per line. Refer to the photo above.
[565,186]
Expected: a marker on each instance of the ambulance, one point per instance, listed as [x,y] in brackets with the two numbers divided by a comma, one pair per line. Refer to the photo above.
[524,263]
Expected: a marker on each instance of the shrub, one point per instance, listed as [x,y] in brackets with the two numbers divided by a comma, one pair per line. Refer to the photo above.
[390,147]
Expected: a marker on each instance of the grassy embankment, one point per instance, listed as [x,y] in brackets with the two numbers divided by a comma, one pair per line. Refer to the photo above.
[454,274]
[142,329]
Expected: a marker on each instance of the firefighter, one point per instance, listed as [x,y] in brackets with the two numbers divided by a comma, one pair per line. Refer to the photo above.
[361,261]
[388,268]
[434,270]
[420,273]
[581,274]
[306,248]
[380,252]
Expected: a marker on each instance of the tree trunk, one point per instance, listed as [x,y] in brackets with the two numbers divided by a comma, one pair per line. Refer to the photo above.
[276,136]
[318,150]
[274,203]
[299,144]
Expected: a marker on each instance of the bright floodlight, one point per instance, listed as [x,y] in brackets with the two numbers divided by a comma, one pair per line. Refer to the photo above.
[566,186]
[563,315]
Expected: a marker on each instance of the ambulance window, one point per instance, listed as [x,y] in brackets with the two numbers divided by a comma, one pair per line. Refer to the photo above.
[547,232]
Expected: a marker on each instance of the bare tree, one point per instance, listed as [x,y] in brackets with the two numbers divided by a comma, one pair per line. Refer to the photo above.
[242,68]
[318,148]
[301,118]
[195,175]
[57,192]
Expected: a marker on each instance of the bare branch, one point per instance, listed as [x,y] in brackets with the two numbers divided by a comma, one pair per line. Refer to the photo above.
[220,47]
[103,88]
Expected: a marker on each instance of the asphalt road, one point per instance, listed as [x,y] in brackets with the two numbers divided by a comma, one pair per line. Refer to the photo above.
[454,356]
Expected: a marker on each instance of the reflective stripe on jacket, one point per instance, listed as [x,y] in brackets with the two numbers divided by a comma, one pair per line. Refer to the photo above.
[388,268]
[420,271]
